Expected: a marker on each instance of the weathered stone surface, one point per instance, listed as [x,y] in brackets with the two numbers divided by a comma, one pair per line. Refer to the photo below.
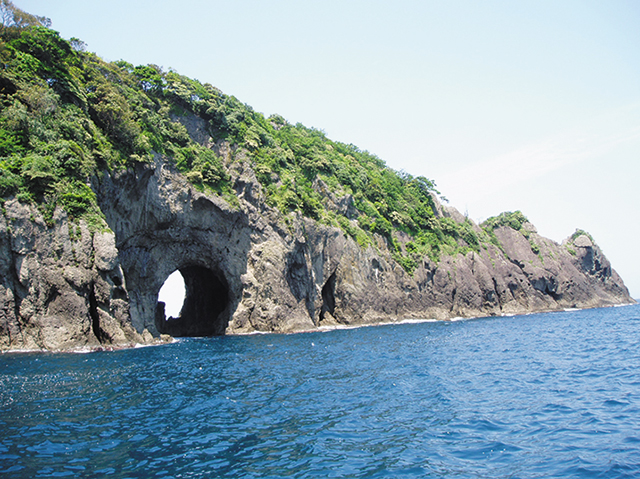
[61,287]
[247,268]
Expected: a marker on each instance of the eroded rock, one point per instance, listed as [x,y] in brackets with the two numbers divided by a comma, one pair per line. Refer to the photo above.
[247,268]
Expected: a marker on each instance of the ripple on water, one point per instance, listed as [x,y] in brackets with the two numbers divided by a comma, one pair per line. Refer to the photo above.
[548,395]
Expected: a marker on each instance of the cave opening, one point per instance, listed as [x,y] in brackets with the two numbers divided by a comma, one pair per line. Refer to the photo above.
[205,308]
[172,294]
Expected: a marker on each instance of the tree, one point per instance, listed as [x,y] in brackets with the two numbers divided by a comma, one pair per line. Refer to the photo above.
[150,77]
[12,17]
[78,45]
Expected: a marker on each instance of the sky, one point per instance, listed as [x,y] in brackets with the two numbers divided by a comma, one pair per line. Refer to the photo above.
[507,105]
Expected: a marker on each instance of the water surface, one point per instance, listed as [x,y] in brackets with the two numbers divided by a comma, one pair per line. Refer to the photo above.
[546,395]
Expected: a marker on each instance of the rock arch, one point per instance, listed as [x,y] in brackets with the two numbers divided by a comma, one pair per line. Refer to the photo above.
[161,225]
[212,282]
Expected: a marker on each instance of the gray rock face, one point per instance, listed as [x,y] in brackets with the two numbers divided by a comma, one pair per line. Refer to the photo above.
[61,287]
[247,268]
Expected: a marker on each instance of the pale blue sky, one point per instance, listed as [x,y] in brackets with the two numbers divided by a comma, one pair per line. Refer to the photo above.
[530,105]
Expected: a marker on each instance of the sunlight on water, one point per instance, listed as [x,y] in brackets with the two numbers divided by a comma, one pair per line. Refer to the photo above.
[172,294]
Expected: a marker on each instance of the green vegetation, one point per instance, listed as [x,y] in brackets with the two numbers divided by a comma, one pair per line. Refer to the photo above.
[534,247]
[514,220]
[66,116]
[569,244]
[579,233]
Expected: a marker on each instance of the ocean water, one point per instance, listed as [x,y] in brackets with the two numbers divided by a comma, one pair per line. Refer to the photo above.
[545,395]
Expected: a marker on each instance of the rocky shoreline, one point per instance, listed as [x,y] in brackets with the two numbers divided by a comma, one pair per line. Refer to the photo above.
[166,339]
[249,268]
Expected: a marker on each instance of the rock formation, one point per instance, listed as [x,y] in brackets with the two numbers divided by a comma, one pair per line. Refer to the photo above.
[114,176]
[249,268]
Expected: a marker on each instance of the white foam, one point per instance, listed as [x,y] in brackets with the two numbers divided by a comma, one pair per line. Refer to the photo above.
[24,351]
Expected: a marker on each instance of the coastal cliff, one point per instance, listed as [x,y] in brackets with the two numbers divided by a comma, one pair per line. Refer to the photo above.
[112,177]
[249,268]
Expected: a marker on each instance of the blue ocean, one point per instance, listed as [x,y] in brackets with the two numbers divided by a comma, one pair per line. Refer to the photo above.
[544,395]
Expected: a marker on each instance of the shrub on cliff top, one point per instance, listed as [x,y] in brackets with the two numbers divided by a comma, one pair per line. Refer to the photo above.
[510,219]
[579,233]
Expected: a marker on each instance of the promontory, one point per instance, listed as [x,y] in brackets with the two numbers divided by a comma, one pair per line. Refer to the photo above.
[113,176]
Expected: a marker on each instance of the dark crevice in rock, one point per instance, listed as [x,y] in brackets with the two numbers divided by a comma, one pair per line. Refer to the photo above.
[17,298]
[489,297]
[453,299]
[588,261]
[161,316]
[205,311]
[95,317]
[497,290]
[51,297]
[547,286]
[430,274]
[203,204]
[556,296]
[329,297]
[119,293]
[298,276]
[518,263]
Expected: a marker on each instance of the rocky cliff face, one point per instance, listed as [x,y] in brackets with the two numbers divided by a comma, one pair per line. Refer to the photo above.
[78,132]
[61,287]
[249,268]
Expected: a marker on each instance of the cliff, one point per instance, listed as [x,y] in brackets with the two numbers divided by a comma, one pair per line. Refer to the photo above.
[249,268]
[113,176]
